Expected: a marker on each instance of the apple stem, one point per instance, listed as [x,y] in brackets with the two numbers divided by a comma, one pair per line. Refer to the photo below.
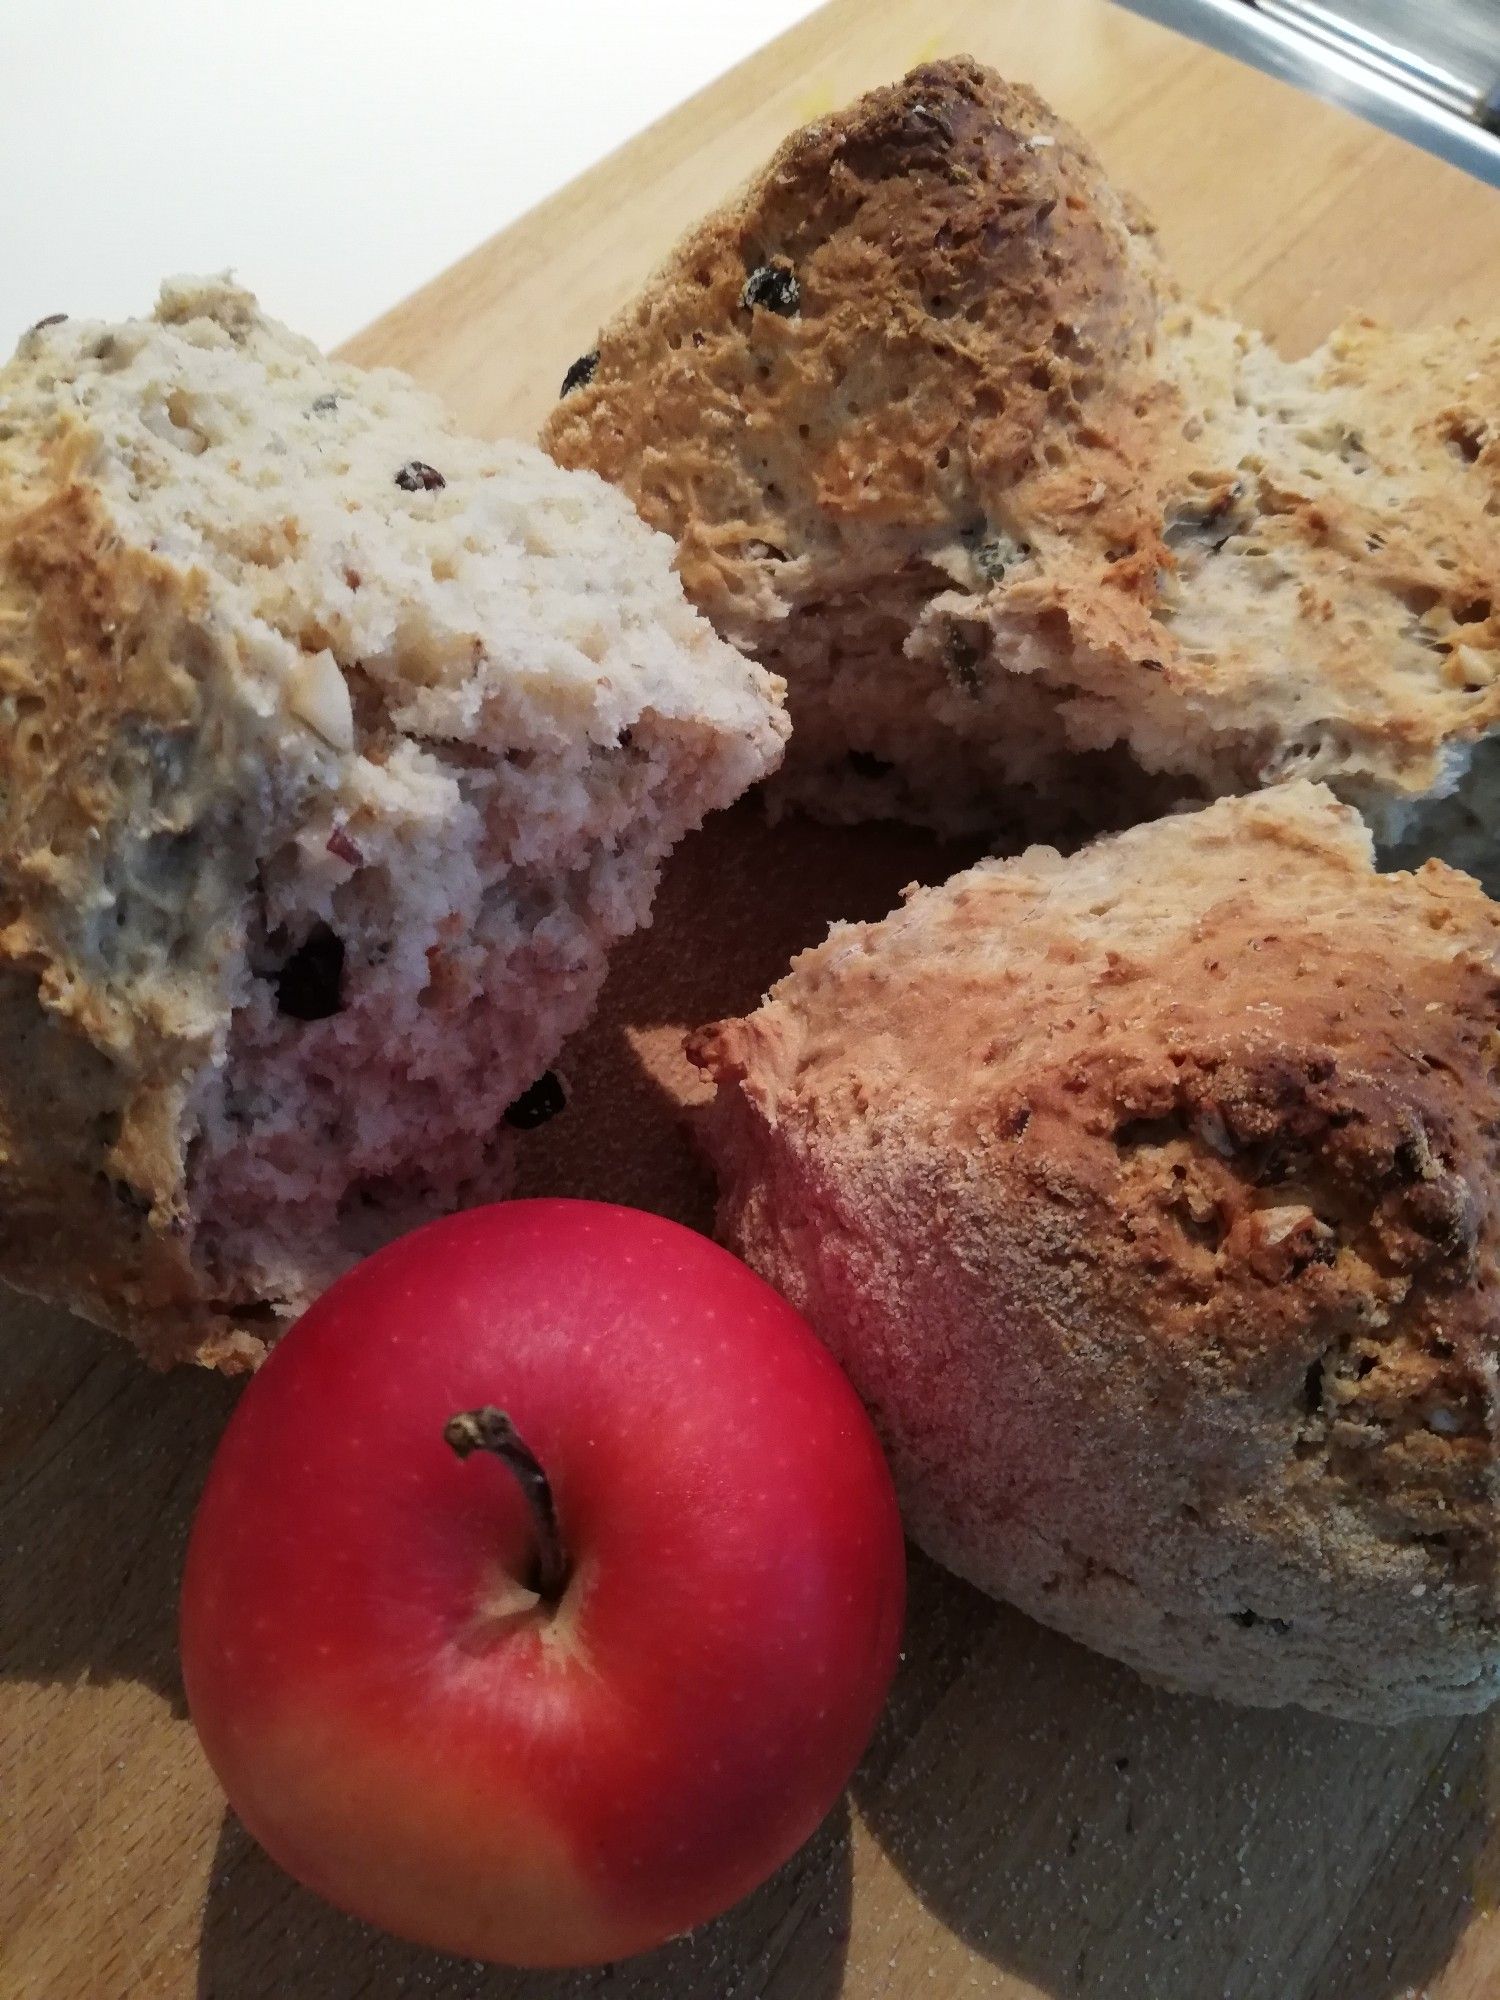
[491,1430]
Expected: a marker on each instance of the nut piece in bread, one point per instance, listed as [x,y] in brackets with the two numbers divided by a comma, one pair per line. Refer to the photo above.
[335,750]
[1150,1199]
[941,442]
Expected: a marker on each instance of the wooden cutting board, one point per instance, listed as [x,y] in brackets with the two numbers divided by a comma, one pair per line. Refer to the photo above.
[1031,1819]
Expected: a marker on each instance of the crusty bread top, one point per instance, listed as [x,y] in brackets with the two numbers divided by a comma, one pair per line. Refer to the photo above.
[965,277]
[984,385]
[1213,1083]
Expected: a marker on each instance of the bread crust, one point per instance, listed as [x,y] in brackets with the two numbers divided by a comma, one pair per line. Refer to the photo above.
[945,234]
[1149,1199]
[99,1056]
[998,501]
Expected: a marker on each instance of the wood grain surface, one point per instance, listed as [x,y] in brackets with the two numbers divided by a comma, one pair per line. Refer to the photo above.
[1031,1820]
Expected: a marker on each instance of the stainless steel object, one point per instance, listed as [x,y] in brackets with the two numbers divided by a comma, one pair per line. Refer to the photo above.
[1428,70]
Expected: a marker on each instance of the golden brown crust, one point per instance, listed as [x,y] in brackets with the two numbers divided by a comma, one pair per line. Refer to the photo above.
[1150,1199]
[966,280]
[99,1058]
[991,457]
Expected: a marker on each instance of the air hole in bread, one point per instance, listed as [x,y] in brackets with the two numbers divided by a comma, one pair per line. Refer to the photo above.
[309,984]
[1250,1619]
[1466,438]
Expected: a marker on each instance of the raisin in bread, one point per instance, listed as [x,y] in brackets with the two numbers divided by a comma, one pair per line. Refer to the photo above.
[942,443]
[1150,1199]
[336,748]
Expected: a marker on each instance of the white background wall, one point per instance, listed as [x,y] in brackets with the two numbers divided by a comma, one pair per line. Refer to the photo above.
[335,153]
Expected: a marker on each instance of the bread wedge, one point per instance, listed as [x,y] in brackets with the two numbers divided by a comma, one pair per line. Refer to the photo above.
[336,748]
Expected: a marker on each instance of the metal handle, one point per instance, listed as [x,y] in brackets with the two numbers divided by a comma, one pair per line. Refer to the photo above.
[1446,98]
[1344,35]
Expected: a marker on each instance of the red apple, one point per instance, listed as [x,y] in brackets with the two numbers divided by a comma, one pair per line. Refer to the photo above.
[556,1705]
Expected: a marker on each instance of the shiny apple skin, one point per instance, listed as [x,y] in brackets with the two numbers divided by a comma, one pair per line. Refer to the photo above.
[533,1786]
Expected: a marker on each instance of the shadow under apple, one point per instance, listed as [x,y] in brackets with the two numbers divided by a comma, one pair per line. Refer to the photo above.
[264,1938]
